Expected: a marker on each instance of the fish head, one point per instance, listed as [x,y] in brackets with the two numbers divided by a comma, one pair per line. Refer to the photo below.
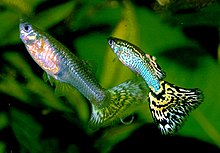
[114,46]
[123,50]
[28,33]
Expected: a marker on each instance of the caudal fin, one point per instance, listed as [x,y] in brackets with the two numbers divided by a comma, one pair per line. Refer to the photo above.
[121,102]
[172,105]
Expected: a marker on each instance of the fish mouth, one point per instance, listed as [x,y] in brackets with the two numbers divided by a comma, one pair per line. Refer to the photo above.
[21,25]
[111,43]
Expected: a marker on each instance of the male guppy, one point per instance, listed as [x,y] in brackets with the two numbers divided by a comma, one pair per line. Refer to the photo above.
[169,104]
[108,105]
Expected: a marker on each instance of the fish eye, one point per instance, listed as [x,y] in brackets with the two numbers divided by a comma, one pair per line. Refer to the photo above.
[27,27]
[110,42]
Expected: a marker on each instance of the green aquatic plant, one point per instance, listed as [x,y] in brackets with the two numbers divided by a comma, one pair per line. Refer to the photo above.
[35,117]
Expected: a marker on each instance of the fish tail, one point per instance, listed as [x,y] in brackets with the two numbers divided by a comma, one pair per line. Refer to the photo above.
[172,104]
[122,101]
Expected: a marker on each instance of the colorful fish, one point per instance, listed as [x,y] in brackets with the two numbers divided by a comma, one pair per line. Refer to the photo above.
[108,105]
[169,104]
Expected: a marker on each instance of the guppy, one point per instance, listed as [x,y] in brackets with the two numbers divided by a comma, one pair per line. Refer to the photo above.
[168,103]
[108,105]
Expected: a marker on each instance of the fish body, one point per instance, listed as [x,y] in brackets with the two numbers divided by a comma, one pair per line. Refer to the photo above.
[139,62]
[57,61]
[108,105]
[169,104]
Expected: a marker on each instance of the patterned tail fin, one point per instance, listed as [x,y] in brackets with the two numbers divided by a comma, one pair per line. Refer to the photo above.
[172,105]
[122,101]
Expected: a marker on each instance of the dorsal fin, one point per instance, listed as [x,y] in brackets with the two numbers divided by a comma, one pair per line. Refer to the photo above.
[157,69]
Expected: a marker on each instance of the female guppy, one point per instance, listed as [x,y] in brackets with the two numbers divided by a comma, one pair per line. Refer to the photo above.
[108,105]
[169,104]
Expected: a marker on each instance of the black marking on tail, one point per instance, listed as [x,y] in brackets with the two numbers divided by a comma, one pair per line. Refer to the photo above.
[172,105]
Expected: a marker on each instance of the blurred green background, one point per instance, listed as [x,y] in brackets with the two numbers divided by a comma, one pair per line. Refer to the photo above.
[183,35]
